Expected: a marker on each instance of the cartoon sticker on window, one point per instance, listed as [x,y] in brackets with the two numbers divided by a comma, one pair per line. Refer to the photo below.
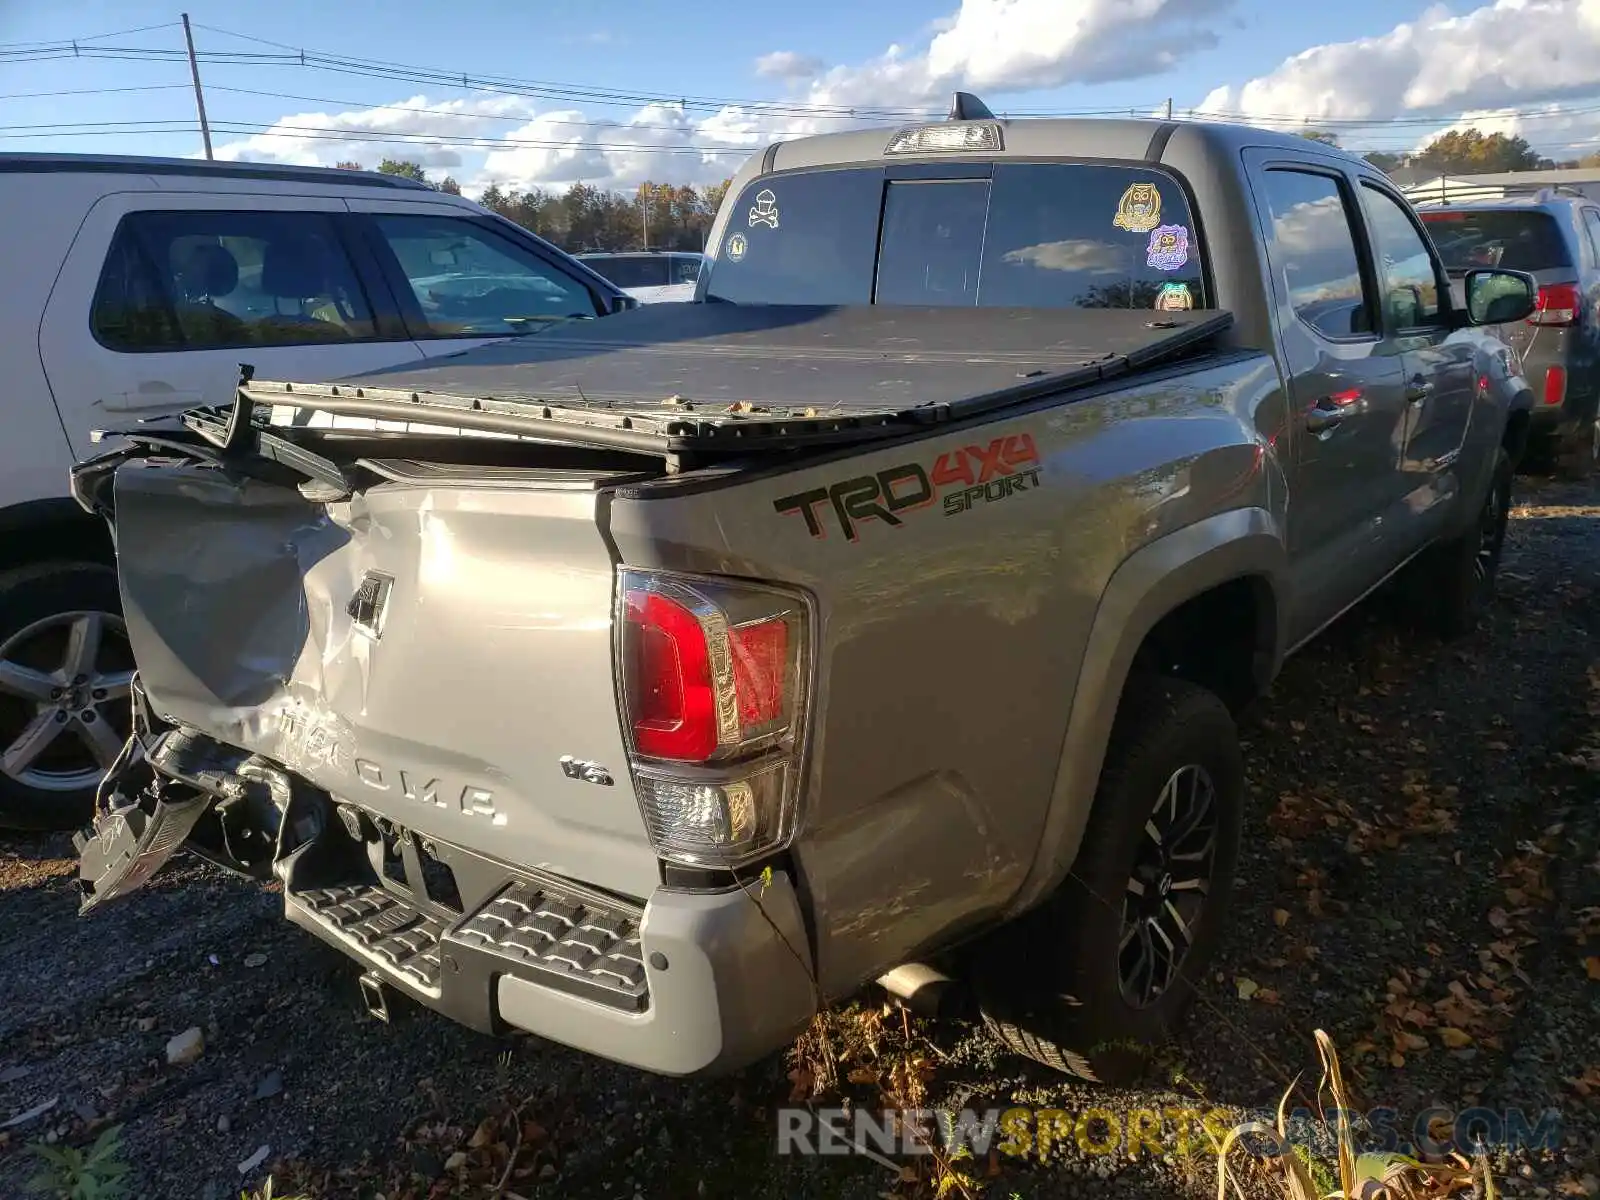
[765,211]
[1169,248]
[1139,210]
[736,247]
[1174,297]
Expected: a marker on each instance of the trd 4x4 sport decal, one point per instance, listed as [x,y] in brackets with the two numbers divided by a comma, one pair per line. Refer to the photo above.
[963,479]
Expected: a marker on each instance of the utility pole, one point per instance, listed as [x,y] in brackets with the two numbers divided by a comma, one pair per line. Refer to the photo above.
[1169,106]
[199,96]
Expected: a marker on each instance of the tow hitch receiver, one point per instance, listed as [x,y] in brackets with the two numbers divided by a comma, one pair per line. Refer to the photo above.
[373,993]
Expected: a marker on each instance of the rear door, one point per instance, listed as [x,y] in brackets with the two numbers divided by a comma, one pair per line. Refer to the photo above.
[461,279]
[163,295]
[1440,379]
[1346,382]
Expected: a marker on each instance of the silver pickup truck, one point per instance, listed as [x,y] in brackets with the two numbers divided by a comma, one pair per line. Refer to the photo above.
[645,683]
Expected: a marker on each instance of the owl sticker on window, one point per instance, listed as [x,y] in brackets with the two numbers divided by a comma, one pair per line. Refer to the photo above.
[1139,210]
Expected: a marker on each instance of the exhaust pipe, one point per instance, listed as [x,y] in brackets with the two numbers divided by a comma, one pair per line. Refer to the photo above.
[921,988]
[375,996]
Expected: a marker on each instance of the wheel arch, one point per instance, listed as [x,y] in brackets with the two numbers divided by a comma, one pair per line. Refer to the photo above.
[1242,548]
[55,529]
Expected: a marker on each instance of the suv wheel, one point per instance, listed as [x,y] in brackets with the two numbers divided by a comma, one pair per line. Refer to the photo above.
[1090,980]
[65,672]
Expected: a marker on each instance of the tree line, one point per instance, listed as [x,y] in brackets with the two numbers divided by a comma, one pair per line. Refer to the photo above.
[658,216]
[1464,152]
[665,216]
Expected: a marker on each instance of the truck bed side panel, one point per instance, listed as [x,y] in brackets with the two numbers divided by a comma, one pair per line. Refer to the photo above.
[953,623]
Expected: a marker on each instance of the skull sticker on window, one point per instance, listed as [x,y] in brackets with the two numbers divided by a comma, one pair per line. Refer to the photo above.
[765,211]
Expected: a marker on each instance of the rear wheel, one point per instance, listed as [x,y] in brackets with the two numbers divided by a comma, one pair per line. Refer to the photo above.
[1580,453]
[65,673]
[1101,971]
[1453,583]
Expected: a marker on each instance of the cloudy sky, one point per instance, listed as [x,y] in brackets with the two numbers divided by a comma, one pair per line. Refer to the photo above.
[535,93]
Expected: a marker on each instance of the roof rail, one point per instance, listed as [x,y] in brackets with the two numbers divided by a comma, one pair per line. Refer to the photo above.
[964,106]
[132,164]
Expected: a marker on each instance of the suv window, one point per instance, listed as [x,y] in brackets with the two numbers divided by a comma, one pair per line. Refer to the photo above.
[210,280]
[1519,240]
[470,281]
[1410,282]
[1031,235]
[1312,246]
[685,268]
[633,270]
[1591,221]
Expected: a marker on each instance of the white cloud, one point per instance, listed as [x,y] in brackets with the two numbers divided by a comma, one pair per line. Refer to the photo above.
[1508,52]
[370,135]
[994,46]
[1094,257]
[786,64]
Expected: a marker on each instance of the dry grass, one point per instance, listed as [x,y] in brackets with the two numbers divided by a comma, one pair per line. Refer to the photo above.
[1370,1176]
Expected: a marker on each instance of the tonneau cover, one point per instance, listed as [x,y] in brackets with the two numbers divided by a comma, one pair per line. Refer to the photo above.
[697,373]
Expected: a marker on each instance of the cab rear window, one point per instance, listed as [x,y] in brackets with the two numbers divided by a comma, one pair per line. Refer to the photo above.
[1516,240]
[1026,235]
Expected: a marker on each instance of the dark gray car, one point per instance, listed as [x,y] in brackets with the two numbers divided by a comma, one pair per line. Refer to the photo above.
[1555,236]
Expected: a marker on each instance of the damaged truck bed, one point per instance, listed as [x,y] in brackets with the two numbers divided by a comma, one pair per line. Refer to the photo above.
[643,683]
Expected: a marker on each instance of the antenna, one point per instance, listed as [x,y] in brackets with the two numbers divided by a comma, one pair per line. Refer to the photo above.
[964,106]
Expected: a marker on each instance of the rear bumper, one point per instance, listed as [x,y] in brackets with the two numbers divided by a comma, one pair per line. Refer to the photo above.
[687,982]
[718,987]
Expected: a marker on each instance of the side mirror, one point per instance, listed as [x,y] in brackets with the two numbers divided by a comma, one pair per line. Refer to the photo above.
[624,303]
[1498,297]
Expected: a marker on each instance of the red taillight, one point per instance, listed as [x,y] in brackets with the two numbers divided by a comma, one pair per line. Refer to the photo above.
[760,667]
[711,670]
[1555,385]
[671,698]
[1556,304]
[714,682]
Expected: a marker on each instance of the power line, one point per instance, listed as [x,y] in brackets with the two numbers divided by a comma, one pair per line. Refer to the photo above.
[148,87]
[93,37]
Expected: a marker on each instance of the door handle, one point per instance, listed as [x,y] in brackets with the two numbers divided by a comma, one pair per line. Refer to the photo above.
[1418,390]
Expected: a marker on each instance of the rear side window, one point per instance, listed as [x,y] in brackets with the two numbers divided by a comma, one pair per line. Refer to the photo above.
[214,280]
[471,282]
[1027,235]
[1591,222]
[1312,246]
[633,271]
[685,270]
[1518,240]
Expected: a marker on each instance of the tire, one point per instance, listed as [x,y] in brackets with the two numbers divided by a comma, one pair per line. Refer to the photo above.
[1453,583]
[1050,985]
[1579,456]
[54,616]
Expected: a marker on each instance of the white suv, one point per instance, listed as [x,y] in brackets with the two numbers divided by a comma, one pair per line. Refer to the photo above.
[135,288]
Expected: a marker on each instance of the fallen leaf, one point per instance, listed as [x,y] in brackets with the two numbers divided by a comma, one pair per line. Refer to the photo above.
[864,1075]
[1280,917]
[1499,919]
[1247,987]
[1455,1038]
[1267,996]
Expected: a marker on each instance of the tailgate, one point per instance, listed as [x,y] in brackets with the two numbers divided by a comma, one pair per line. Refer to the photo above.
[431,648]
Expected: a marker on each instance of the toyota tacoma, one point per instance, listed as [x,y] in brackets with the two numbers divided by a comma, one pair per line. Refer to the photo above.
[883,615]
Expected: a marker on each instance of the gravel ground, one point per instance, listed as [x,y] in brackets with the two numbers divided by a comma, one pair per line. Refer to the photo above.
[1423,845]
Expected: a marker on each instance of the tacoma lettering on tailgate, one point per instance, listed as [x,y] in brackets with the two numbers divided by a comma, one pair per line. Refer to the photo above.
[963,479]
[472,801]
